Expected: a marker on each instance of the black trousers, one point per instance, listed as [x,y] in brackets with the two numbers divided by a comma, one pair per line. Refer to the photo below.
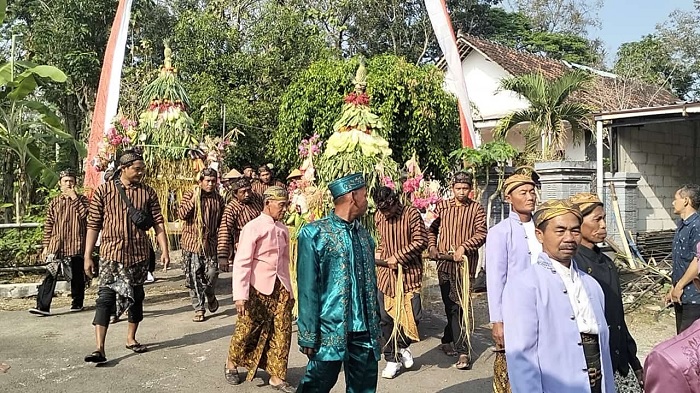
[387,325]
[686,314]
[454,313]
[106,306]
[77,287]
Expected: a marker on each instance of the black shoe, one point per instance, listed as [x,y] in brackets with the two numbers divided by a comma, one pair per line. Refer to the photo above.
[76,308]
[37,311]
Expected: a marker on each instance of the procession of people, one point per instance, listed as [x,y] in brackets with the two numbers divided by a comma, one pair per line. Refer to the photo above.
[549,284]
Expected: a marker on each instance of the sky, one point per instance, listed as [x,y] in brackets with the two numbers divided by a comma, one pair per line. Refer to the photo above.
[629,20]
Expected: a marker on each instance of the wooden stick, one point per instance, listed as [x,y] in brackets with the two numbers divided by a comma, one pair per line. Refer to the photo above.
[621,228]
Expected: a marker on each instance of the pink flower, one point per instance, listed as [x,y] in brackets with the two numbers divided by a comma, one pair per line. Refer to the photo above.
[387,182]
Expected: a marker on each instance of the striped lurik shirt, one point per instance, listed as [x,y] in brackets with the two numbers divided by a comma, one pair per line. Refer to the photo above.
[236,215]
[201,239]
[458,225]
[405,238]
[66,226]
[259,187]
[121,240]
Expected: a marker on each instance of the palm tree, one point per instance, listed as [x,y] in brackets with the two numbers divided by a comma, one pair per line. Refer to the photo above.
[549,110]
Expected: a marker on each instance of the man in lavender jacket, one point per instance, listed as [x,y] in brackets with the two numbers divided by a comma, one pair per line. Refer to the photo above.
[555,330]
[511,247]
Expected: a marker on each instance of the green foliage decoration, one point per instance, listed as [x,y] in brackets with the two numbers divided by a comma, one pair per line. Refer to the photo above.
[417,114]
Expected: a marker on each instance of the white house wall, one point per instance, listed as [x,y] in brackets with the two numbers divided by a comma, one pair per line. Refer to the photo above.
[483,78]
[667,156]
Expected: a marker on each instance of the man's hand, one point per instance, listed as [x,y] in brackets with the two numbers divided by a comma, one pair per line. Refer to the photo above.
[240,308]
[224,265]
[497,334]
[393,263]
[69,192]
[309,352]
[89,266]
[433,253]
[165,260]
[676,293]
[459,254]
[640,376]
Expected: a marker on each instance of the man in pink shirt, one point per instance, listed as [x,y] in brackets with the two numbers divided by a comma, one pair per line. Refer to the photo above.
[262,292]
[674,365]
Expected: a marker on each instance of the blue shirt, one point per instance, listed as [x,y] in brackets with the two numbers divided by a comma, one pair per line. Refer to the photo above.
[684,248]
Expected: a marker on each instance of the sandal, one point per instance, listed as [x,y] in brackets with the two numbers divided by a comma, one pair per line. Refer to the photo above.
[95,357]
[284,387]
[198,316]
[213,305]
[232,376]
[137,348]
[463,363]
[448,350]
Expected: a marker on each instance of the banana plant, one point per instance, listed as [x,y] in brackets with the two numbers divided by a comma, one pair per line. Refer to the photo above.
[27,125]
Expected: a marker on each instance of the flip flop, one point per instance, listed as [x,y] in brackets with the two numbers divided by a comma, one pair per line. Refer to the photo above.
[232,376]
[198,317]
[284,387]
[95,357]
[463,363]
[213,306]
[137,348]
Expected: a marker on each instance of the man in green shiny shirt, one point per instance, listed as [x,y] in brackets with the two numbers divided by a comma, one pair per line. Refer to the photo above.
[338,310]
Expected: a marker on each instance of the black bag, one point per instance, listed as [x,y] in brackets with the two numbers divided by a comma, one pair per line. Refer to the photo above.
[141,218]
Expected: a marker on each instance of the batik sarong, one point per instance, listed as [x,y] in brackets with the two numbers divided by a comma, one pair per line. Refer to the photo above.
[501,383]
[262,337]
[122,279]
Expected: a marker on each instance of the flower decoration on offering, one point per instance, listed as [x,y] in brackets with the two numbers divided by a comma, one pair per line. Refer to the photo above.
[355,145]
[210,153]
[421,192]
[122,134]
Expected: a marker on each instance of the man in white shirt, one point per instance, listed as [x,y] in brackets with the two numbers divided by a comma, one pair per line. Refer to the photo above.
[556,334]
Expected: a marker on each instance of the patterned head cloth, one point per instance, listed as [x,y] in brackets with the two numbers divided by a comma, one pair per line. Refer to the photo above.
[555,208]
[275,193]
[586,202]
[344,185]
[515,181]
[128,157]
[69,172]
[237,184]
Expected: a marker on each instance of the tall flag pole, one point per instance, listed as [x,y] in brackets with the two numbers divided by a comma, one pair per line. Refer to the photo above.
[440,19]
[107,102]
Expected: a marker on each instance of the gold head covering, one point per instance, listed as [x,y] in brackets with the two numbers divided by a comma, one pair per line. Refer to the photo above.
[555,208]
[515,181]
[586,202]
[275,193]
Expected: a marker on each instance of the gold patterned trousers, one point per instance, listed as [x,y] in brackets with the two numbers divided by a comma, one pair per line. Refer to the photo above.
[263,336]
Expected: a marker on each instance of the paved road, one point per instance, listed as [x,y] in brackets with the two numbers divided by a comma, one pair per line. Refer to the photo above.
[46,353]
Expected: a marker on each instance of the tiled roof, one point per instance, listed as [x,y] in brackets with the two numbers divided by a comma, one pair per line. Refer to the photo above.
[607,92]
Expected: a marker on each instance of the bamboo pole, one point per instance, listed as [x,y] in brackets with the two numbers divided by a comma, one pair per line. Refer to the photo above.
[621,228]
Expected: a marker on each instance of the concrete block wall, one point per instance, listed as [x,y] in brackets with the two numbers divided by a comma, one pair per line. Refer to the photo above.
[666,157]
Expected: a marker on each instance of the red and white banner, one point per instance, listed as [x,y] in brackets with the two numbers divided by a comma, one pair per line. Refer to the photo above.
[440,19]
[107,102]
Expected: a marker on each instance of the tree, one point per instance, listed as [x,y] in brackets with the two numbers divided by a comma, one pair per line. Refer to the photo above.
[680,34]
[562,46]
[418,115]
[550,109]
[560,16]
[652,61]
[243,61]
